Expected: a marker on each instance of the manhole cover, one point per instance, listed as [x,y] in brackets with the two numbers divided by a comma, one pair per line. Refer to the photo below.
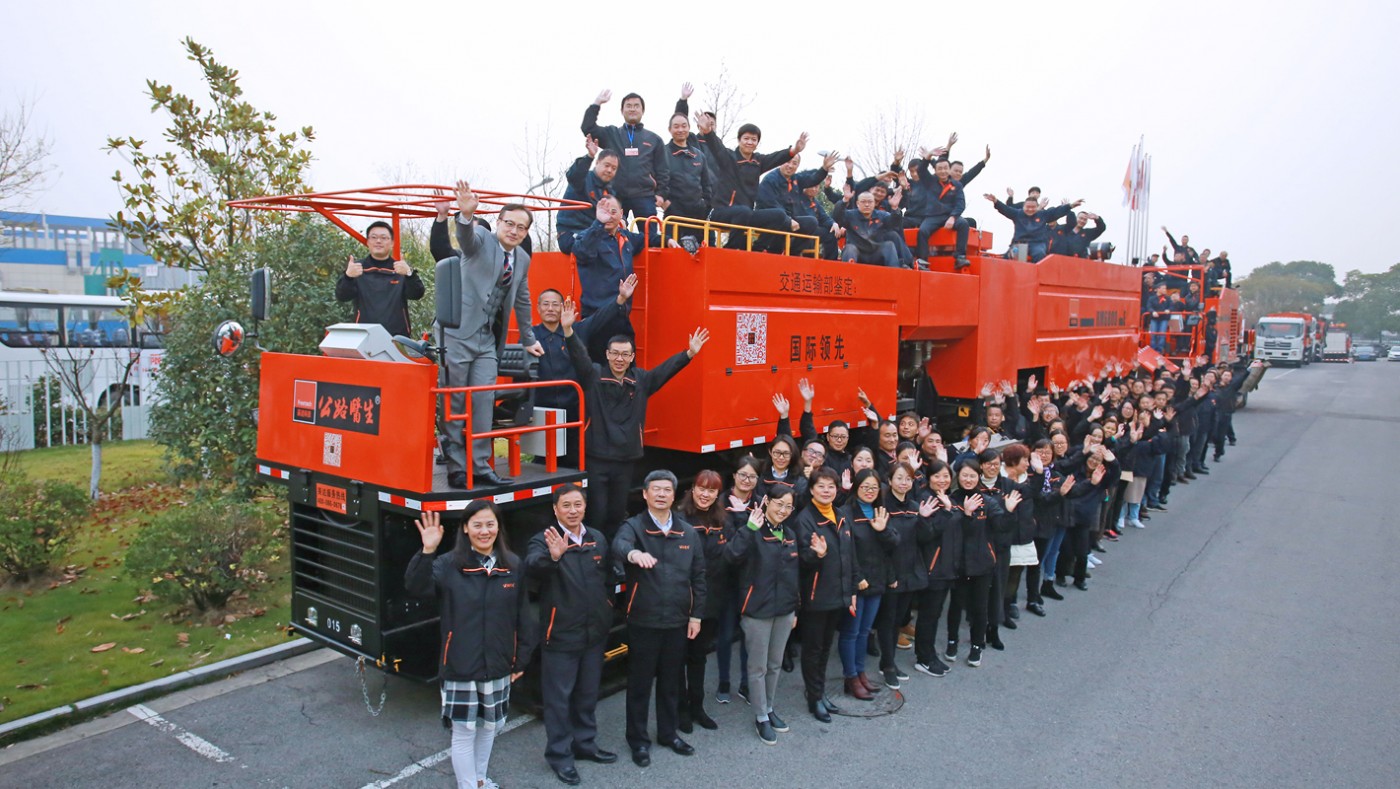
[886,701]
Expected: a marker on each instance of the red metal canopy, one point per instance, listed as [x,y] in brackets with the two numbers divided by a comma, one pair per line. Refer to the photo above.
[395,203]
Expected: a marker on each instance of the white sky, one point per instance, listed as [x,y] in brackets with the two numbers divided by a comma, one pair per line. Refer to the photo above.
[1268,123]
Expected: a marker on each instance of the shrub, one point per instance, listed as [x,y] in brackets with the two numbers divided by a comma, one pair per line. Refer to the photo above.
[36,522]
[204,553]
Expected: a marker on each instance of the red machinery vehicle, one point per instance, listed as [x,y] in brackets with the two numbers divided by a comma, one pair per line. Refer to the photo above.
[1190,335]
[932,340]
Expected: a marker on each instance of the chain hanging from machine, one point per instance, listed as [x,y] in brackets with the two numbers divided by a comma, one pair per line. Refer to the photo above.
[364,689]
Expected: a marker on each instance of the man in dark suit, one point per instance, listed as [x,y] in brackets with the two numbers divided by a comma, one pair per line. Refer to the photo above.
[495,281]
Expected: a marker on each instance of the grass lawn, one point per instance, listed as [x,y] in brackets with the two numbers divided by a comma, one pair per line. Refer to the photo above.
[52,627]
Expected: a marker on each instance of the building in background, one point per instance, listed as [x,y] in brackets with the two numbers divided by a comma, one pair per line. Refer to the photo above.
[75,255]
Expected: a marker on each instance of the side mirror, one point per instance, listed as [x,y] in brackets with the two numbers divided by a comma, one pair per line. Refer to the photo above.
[228,338]
[260,292]
[447,285]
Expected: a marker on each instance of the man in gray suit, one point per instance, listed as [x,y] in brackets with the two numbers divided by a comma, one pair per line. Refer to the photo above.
[495,280]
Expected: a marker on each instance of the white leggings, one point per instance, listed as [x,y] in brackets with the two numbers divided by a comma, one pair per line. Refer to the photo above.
[471,750]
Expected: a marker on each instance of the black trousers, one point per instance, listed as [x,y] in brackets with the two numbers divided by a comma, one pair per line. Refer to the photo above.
[926,628]
[609,482]
[1200,442]
[697,212]
[894,611]
[1032,573]
[818,630]
[569,684]
[1224,428]
[697,651]
[1074,553]
[996,605]
[654,656]
[970,594]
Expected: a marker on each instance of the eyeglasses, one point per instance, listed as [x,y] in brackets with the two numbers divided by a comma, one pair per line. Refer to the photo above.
[869,488]
[780,506]
[814,453]
[380,237]
[747,476]
[511,224]
[780,453]
[620,354]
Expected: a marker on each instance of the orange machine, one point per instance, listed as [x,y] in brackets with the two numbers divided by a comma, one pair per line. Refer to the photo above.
[933,340]
[1189,336]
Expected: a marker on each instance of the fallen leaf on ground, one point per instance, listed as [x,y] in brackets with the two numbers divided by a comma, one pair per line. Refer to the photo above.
[104,647]
[34,686]
[133,650]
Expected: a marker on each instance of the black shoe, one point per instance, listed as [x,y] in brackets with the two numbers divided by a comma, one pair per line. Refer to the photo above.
[995,643]
[818,710]
[722,693]
[683,721]
[935,669]
[788,665]
[1012,612]
[641,756]
[1007,623]
[1060,581]
[1047,589]
[1097,547]
[872,647]
[830,705]
[1036,608]
[960,263]
[766,733]
[951,653]
[744,692]
[458,480]
[1232,442]
[489,477]
[681,747]
[599,756]
[1202,470]
[1217,458]
[778,724]
[1188,476]
[974,656]
[567,775]
[703,718]
[689,244]
[1081,586]
[891,678]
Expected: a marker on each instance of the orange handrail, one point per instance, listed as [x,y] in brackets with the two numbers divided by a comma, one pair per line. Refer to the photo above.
[513,434]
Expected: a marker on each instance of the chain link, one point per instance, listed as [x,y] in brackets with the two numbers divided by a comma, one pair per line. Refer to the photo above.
[364,689]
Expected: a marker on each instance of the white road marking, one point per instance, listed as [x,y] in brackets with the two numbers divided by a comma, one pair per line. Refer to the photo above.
[190,740]
[439,757]
[1285,375]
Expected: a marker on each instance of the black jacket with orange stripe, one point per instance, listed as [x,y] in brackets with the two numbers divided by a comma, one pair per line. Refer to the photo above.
[915,537]
[768,565]
[944,557]
[381,295]
[874,551]
[738,177]
[978,556]
[576,592]
[616,410]
[486,627]
[829,581]
[673,592]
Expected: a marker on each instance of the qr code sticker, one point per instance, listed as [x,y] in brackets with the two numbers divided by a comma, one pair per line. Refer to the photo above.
[330,454]
[751,338]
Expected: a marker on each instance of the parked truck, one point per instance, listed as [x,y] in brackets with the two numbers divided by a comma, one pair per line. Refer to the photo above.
[1338,344]
[1284,338]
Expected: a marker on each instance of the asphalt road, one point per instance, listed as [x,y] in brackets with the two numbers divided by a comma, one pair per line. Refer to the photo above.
[1250,637]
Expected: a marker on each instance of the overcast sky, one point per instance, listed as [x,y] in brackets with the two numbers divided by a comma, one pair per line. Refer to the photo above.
[1271,125]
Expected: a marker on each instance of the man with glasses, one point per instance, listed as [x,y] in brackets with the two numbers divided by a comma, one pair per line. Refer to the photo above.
[380,286]
[616,399]
[495,281]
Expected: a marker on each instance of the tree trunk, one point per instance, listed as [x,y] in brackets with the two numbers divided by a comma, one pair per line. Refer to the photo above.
[96,476]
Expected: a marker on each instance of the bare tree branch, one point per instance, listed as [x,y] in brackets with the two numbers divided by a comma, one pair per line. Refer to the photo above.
[539,161]
[22,155]
[898,129]
[725,100]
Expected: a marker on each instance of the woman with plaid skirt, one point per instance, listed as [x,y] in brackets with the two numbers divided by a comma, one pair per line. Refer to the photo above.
[488,636]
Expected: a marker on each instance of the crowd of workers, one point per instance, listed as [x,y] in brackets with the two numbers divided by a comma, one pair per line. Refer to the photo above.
[1175,310]
[860,538]
[868,533]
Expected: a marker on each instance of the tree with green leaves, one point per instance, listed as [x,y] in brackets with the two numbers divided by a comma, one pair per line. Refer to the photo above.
[1371,302]
[1296,286]
[175,201]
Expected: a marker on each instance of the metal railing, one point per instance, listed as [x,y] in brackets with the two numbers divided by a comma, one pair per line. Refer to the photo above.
[674,224]
[512,434]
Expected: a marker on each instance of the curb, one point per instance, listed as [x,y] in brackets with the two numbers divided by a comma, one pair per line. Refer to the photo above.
[23,728]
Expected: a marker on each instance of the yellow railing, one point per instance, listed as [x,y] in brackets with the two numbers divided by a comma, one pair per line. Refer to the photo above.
[670,230]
